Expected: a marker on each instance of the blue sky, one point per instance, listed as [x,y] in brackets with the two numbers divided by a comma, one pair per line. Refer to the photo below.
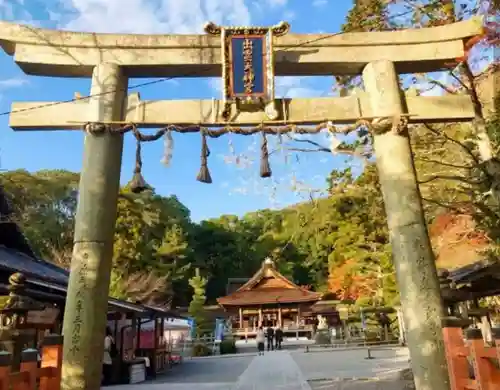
[236,189]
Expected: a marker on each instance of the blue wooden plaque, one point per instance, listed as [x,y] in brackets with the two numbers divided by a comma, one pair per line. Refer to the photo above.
[247,64]
[248,77]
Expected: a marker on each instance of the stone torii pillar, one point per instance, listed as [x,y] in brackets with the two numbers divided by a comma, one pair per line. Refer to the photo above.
[88,289]
[411,248]
[104,56]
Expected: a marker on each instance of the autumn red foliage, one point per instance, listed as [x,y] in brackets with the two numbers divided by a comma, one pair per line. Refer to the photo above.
[456,240]
[347,283]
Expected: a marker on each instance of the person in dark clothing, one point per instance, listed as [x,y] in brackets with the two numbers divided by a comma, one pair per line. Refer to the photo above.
[278,336]
[109,354]
[270,338]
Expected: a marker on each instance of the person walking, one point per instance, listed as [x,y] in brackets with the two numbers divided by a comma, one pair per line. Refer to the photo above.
[278,336]
[107,360]
[260,338]
[270,338]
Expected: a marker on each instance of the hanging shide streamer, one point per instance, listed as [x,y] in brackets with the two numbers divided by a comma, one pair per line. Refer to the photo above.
[334,142]
[371,125]
[168,148]
[265,169]
[138,184]
[234,156]
[204,174]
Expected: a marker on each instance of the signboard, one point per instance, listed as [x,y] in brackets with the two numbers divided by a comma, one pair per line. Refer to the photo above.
[248,66]
[192,327]
[219,329]
[42,318]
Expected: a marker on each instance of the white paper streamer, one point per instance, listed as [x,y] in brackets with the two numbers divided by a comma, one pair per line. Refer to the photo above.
[168,147]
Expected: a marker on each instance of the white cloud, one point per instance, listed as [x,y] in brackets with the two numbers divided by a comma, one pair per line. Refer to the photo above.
[294,87]
[289,16]
[15,10]
[289,87]
[12,83]
[216,85]
[151,17]
[277,3]
[319,3]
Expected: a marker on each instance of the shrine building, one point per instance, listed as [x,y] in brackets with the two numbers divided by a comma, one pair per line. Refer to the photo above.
[269,299]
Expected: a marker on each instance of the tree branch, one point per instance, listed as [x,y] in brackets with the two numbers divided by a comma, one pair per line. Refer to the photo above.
[441,204]
[309,150]
[453,140]
[445,87]
[429,160]
[453,177]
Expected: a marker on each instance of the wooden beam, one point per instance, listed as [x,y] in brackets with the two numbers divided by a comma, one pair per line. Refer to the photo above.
[160,113]
[74,54]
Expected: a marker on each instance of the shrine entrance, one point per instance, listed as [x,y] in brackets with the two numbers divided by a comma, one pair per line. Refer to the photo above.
[247,59]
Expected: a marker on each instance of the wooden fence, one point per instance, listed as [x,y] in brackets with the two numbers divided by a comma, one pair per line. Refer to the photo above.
[471,363]
[44,375]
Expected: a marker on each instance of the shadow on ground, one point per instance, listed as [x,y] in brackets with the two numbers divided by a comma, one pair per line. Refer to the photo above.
[388,384]
[285,370]
[213,370]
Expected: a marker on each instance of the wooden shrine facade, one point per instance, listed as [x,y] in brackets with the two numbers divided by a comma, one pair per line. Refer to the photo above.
[110,111]
[138,329]
[270,299]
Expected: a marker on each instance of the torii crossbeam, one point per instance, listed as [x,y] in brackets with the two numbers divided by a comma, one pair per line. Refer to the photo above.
[111,59]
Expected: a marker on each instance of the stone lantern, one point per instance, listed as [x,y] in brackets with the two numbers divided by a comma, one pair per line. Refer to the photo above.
[15,330]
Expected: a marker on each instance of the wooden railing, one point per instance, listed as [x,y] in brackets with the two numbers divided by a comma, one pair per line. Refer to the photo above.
[31,376]
[471,363]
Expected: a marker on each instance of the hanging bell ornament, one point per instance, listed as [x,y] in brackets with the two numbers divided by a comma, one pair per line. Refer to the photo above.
[265,168]
[204,174]
[138,184]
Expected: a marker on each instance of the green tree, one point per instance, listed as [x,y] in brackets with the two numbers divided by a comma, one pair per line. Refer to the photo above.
[44,205]
[196,307]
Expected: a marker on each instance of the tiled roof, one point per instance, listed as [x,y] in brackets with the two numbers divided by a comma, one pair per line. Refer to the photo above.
[268,286]
[268,295]
[13,261]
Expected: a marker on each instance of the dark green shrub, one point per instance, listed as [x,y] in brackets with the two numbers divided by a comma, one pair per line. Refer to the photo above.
[227,347]
[201,350]
[322,337]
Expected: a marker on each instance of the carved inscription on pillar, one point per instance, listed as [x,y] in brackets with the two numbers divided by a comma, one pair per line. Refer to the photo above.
[80,296]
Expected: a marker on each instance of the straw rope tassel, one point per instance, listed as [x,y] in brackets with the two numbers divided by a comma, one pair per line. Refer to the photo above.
[204,174]
[265,169]
[138,184]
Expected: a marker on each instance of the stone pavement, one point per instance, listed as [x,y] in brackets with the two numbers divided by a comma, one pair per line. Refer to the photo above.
[287,370]
[274,370]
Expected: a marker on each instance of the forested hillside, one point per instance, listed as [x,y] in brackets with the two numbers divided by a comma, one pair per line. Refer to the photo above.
[338,244]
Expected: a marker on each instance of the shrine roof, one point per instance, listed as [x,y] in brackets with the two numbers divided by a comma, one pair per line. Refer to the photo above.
[12,261]
[477,280]
[268,286]
[268,295]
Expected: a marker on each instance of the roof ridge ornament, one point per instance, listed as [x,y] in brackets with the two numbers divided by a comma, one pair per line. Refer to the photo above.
[247,68]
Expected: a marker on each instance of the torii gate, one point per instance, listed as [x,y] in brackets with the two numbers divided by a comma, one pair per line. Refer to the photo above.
[110,59]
